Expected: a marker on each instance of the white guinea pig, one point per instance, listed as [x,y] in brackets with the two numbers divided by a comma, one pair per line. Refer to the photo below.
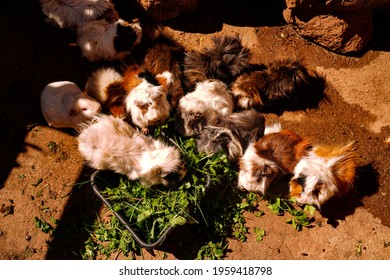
[63,104]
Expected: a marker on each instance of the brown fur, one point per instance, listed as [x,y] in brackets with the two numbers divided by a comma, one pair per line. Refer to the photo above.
[284,148]
[343,169]
[130,77]
[115,102]
[250,85]
[165,54]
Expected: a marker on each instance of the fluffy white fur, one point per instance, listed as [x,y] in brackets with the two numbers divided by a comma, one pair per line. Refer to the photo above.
[63,104]
[209,99]
[72,13]
[249,164]
[147,104]
[96,39]
[109,143]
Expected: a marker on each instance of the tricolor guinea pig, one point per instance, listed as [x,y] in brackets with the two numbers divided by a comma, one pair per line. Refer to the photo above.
[324,172]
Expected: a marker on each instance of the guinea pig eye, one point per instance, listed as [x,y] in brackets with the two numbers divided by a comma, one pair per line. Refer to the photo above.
[301,180]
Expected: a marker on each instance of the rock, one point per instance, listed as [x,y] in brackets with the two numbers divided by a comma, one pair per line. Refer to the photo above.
[162,10]
[339,25]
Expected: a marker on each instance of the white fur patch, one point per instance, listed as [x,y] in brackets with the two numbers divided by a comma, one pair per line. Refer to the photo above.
[63,104]
[98,82]
[319,183]
[246,178]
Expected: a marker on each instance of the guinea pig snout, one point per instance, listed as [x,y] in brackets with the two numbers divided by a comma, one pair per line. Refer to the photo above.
[173,179]
[89,107]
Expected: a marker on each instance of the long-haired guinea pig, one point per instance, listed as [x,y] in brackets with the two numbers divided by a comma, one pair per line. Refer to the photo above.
[322,173]
[109,143]
[282,83]
[166,54]
[138,96]
[63,104]
[231,134]
[209,99]
[71,13]
[273,155]
[226,60]
[108,40]
[146,101]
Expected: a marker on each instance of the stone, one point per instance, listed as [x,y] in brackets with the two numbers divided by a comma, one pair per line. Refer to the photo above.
[343,26]
[162,10]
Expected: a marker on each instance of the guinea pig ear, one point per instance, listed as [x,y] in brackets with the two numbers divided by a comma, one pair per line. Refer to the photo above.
[165,79]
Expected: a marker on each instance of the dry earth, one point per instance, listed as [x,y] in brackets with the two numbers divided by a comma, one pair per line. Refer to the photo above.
[39,179]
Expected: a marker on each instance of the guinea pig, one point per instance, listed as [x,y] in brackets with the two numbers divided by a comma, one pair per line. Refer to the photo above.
[106,40]
[71,13]
[209,99]
[273,155]
[109,143]
[226,60]
[63,104]
[146,102]
[324,172]
[283,83]
[231,134]
[137,96]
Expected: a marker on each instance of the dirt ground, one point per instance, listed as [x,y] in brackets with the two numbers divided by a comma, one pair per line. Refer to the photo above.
[40,179]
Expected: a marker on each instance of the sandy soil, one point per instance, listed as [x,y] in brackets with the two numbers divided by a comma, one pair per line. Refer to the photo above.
[39,179]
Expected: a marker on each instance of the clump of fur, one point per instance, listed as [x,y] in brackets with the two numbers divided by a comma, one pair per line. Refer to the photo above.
[105,85]
[166,54]
[70,14]
[226,60]
[283,83]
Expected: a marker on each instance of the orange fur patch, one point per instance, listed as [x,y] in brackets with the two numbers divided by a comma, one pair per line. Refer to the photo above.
[284,148]
[118,111]
[130,78]
[295,188]
[345,168]
[162,81]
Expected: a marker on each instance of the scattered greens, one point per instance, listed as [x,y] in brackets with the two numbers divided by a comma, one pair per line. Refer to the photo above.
[44,226]
[260,233]
[299,218]
[207,197]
